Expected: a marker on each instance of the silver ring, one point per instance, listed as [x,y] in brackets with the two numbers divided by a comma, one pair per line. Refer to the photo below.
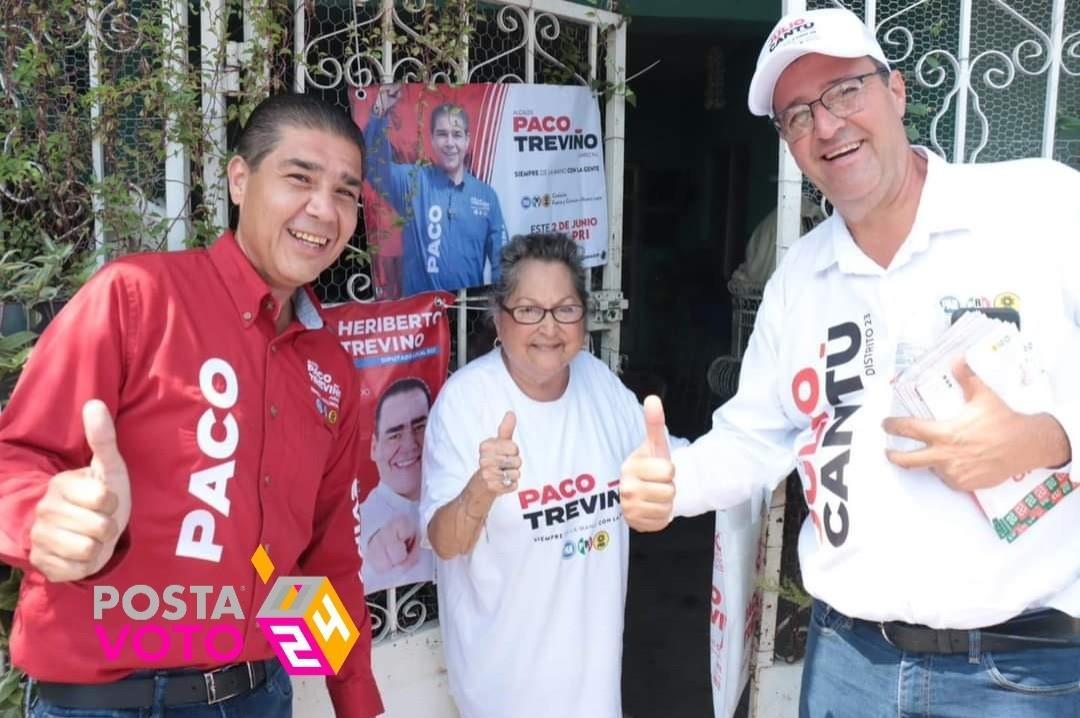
[506,480]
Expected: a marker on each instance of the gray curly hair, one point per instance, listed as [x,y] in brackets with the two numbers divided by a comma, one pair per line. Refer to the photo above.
[553,247]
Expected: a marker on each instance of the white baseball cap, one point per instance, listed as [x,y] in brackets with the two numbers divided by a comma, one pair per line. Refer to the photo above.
[834,32]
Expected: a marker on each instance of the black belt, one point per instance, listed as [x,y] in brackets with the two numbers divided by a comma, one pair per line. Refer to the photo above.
[1042,629]
[210,688]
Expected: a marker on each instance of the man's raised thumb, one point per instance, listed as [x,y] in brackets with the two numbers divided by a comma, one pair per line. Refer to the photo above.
[655,428]
[101,437]
[506,426]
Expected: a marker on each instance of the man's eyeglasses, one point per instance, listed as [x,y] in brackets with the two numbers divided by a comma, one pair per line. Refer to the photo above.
[843,99]
[532,314]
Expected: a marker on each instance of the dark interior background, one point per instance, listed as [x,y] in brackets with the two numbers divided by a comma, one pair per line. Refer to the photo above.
[697,182]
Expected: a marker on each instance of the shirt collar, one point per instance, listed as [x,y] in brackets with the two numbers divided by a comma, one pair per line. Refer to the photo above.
[248,290]
[396,500]
[943,209]
[443,181]
[306,308]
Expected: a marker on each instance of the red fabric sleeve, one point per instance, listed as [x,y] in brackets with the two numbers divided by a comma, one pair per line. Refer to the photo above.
[81,355]
[333,553]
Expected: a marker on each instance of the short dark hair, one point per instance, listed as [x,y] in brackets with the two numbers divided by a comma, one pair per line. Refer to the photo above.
[553,247]
[449,108]
[262,131]
[401,386]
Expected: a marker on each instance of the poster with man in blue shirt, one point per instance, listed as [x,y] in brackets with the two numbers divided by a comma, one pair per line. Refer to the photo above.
[452,226]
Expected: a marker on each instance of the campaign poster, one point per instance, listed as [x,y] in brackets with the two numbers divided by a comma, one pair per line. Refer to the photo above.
[401,351]
[736,602]
[453,172]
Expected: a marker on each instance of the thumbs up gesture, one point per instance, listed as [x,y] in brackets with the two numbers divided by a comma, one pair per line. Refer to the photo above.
[84,511]
[647,481]
[500,462]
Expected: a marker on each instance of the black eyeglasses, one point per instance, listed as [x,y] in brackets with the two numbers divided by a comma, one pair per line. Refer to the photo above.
[532,314]
[843,99]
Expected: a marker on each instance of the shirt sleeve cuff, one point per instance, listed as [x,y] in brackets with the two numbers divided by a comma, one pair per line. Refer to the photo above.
[356,697]
[689,497]
[17,514]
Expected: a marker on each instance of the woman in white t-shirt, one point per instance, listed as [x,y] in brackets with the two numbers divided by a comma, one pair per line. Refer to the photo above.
[520,501]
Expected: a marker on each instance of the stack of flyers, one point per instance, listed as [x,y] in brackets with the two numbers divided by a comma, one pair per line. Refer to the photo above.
[1000,356]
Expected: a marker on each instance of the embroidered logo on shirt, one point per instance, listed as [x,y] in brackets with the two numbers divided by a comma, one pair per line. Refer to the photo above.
[480,208]
[327,392]
[949,304]
[331,415]
[1007,300]
[1004,300]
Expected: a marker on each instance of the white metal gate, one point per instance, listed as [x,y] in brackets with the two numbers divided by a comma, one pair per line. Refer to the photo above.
[987,80]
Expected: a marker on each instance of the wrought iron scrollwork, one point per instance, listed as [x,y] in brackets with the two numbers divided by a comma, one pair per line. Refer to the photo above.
[356,54]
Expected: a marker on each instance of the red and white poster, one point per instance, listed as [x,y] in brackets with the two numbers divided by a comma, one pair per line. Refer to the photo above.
[453,172]
[401,351]
[738,561]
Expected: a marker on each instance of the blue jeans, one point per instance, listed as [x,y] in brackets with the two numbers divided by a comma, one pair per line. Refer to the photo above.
[851,671]
[272,699]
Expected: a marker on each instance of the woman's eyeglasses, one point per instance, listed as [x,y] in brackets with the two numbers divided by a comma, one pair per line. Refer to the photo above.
[532,314]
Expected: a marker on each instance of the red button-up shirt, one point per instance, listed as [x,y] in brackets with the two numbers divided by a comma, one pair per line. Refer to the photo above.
[226,427]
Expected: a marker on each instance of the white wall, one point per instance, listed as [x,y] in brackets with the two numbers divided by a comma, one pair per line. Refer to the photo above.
[411,675]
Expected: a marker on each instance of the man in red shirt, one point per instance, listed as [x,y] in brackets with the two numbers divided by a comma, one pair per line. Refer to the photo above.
[183,410]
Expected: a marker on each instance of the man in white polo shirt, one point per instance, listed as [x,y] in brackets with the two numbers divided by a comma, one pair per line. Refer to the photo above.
[920,608]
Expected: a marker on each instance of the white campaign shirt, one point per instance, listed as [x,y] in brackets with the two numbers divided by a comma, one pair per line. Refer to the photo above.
[382,505]
[532,618]
[885,543]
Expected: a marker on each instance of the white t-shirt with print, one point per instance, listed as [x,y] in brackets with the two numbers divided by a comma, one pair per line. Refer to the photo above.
[885,543]
[532,618]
